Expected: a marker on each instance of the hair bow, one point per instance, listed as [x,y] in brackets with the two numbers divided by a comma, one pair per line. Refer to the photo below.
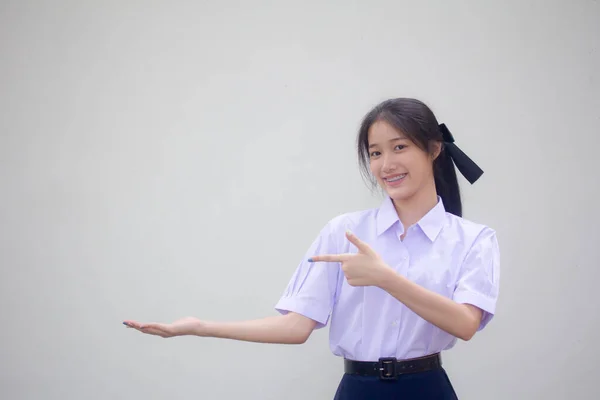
[465,165]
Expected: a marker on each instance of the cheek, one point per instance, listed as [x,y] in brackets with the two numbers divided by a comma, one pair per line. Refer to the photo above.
[420,167]
[375,167]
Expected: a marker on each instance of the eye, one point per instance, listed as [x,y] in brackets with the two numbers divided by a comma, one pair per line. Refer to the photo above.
[374,154]
[400,147]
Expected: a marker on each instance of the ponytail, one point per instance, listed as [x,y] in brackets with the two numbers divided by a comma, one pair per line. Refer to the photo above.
[445,174]
[446,183]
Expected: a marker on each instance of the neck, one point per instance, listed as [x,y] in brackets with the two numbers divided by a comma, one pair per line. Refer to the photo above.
[412,209]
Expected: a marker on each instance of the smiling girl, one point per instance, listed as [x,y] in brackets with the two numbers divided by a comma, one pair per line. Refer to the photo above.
[397,284]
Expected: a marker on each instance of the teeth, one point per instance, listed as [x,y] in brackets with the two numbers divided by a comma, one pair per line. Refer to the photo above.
[397,178]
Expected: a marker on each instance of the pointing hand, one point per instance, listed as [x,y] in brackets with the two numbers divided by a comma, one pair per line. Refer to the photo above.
[365,268]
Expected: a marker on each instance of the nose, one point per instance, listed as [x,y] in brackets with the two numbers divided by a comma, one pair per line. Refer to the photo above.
[388,164]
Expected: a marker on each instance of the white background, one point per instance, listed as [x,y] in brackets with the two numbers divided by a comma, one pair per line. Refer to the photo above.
[166,159]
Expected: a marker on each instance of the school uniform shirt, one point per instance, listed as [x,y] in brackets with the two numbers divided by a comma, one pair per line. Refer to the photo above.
[449,255]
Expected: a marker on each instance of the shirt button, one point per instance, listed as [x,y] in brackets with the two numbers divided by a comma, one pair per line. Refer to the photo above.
[395,323]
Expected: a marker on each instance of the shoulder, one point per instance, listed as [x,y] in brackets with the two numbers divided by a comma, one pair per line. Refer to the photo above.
[467,229]
[474,235]
[353,220]
[361,222]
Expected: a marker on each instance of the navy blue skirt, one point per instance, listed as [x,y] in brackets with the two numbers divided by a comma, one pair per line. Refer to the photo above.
[427,385]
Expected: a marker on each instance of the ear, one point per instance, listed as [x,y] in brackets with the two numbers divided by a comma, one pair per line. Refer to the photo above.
[436,149]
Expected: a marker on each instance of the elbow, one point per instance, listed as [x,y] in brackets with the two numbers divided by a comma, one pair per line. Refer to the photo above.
[470,324]
[299,328]
[299,338]
[466,336]
[468,331]
[296,337]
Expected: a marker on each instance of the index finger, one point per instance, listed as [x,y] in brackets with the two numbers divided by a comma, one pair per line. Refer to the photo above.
[360,245]
[329,258]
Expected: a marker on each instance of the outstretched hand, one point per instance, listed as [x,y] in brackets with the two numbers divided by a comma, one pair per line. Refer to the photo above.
[365,268]
[183,326]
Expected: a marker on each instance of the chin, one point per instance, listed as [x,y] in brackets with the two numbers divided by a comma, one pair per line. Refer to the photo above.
[399,194]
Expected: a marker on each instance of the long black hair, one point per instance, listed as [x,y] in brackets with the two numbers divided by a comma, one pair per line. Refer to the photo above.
[414,119]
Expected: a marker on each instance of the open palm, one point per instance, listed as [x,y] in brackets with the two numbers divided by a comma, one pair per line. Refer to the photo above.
[183,326]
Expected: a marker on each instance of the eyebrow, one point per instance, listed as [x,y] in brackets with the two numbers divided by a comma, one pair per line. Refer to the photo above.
[391,140]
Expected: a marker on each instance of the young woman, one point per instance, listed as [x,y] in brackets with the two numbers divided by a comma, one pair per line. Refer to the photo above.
[397,284]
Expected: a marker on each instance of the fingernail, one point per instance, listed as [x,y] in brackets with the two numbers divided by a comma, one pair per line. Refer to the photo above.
[310,260]
[348,231]
[125,323]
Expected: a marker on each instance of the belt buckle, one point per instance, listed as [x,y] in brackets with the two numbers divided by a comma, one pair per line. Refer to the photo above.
[387,368]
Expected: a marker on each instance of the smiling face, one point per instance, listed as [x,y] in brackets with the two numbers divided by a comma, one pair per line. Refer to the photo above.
[401,168]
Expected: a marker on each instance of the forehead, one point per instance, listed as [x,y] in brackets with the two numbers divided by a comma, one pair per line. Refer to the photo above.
[381,132]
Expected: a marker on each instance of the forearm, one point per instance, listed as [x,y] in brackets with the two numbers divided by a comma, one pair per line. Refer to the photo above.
[282,329]
[460,320]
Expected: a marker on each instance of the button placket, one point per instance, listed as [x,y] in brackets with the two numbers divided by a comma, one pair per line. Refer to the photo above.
[401,267]
[404,261]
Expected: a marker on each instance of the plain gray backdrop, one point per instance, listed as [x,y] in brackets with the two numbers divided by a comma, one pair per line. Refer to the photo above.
[165,159]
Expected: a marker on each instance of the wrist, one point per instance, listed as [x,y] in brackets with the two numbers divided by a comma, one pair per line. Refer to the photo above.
[190,326]
[387,278]
[202,328]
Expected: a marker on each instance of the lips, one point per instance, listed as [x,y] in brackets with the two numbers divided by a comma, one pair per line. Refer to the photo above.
[394,180]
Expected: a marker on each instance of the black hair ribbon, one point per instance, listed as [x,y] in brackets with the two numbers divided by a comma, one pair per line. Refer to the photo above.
[464,164]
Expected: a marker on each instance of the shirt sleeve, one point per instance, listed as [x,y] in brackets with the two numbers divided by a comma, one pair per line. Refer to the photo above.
[478,282]
[311,290]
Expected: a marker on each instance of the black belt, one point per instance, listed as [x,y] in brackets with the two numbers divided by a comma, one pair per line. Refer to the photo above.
[388,368]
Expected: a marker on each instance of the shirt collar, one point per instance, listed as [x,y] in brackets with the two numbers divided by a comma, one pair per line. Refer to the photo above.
[431,224]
